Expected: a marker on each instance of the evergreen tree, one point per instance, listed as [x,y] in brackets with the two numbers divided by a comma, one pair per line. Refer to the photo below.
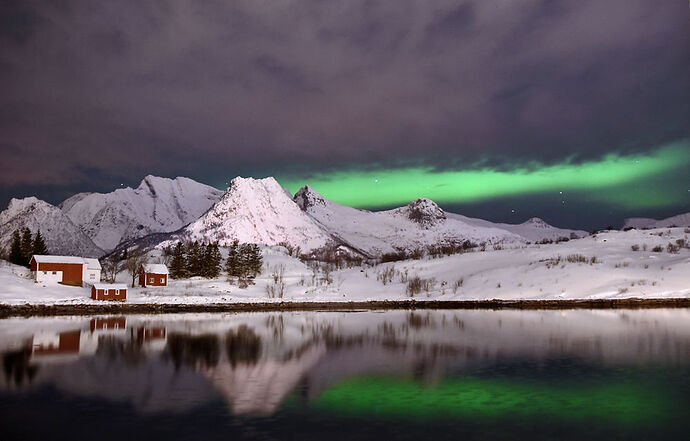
[16,255]
[27,245]
[39,245]
[215,260]
[255,261]
[178,266]
[232,263]
[244,260]
[194,258]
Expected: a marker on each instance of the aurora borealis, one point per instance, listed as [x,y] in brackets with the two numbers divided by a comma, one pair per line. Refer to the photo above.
[504,110]
[619,180]
[473,398]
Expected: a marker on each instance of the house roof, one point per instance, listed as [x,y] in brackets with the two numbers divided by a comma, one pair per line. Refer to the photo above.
[90,263]
[155,268]
[110,286]
[57,259]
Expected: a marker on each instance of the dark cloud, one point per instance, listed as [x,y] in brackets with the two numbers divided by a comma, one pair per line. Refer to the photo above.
[113,91]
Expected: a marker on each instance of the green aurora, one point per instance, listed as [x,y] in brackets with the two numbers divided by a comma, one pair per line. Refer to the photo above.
[622,402]
[635,181]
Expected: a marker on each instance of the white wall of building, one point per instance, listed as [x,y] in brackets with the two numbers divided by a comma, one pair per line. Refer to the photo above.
[48,276]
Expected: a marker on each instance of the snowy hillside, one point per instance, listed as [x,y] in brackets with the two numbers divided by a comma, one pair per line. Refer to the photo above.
[157,205]
[609,265]
[532,230]
[417,225]
[257,211]
[681,220]
[60,234]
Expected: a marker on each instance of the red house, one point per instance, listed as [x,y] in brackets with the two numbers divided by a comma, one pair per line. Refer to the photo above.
[67,270]
[103,323]
[109,291]
[153,274]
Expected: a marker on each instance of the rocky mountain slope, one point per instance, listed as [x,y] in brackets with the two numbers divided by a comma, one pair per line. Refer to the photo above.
[157,205]
[61,235]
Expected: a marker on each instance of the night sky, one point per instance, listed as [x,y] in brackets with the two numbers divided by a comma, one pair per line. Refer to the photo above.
[574,111]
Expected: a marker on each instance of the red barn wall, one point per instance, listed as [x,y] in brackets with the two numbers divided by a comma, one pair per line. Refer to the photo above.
[71,272]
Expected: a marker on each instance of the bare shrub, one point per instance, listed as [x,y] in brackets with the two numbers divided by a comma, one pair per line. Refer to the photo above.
[635,247]
[386,275]
[277,288]
[457,285]
[416,285]
[672,248]
[658,249]
[577,258]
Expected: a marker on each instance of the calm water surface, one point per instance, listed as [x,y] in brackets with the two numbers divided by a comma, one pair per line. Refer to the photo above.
[577,374]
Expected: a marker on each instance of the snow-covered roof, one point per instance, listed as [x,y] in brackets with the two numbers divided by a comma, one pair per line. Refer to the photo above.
[92,263]
[155,268]
[59,259]
[110,286]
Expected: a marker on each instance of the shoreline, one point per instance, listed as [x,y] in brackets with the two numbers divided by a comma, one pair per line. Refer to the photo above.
[28,310]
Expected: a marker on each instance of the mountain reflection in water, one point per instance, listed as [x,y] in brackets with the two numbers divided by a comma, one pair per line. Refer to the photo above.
[364,373]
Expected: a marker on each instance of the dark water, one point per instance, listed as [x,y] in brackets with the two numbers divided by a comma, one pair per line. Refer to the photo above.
[363,375]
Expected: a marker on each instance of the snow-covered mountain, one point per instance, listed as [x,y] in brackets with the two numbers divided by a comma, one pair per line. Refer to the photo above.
[532,230]
[417,225]
[681,220]
[257,211]
[157,205]
[61,235]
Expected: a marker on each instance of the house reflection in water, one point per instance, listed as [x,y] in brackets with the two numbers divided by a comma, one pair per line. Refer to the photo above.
[48,345]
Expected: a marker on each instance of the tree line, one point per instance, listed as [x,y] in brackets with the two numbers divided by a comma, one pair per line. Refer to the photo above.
[24,245]
[197,259]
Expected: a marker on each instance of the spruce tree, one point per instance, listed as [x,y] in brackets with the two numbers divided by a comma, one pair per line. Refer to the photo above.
[39,245]
[232,262]
[215,261]
[244,261]
[178,268]
[255,261]
[16,255]
[194,259]
[27,245]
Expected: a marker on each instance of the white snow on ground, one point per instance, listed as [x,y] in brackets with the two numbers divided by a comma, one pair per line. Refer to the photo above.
[158,205]
[522,272]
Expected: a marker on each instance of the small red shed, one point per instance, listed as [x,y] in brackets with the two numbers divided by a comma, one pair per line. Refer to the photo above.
[109,291]
[153,274]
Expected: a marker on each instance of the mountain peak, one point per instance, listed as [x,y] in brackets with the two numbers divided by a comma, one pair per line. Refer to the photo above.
[60,233]
[157,205]
[21,203]
[425,212]
[308,197]
[257,211]
[537,222]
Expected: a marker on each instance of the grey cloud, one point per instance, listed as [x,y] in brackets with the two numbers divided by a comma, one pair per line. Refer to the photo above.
[212,89]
